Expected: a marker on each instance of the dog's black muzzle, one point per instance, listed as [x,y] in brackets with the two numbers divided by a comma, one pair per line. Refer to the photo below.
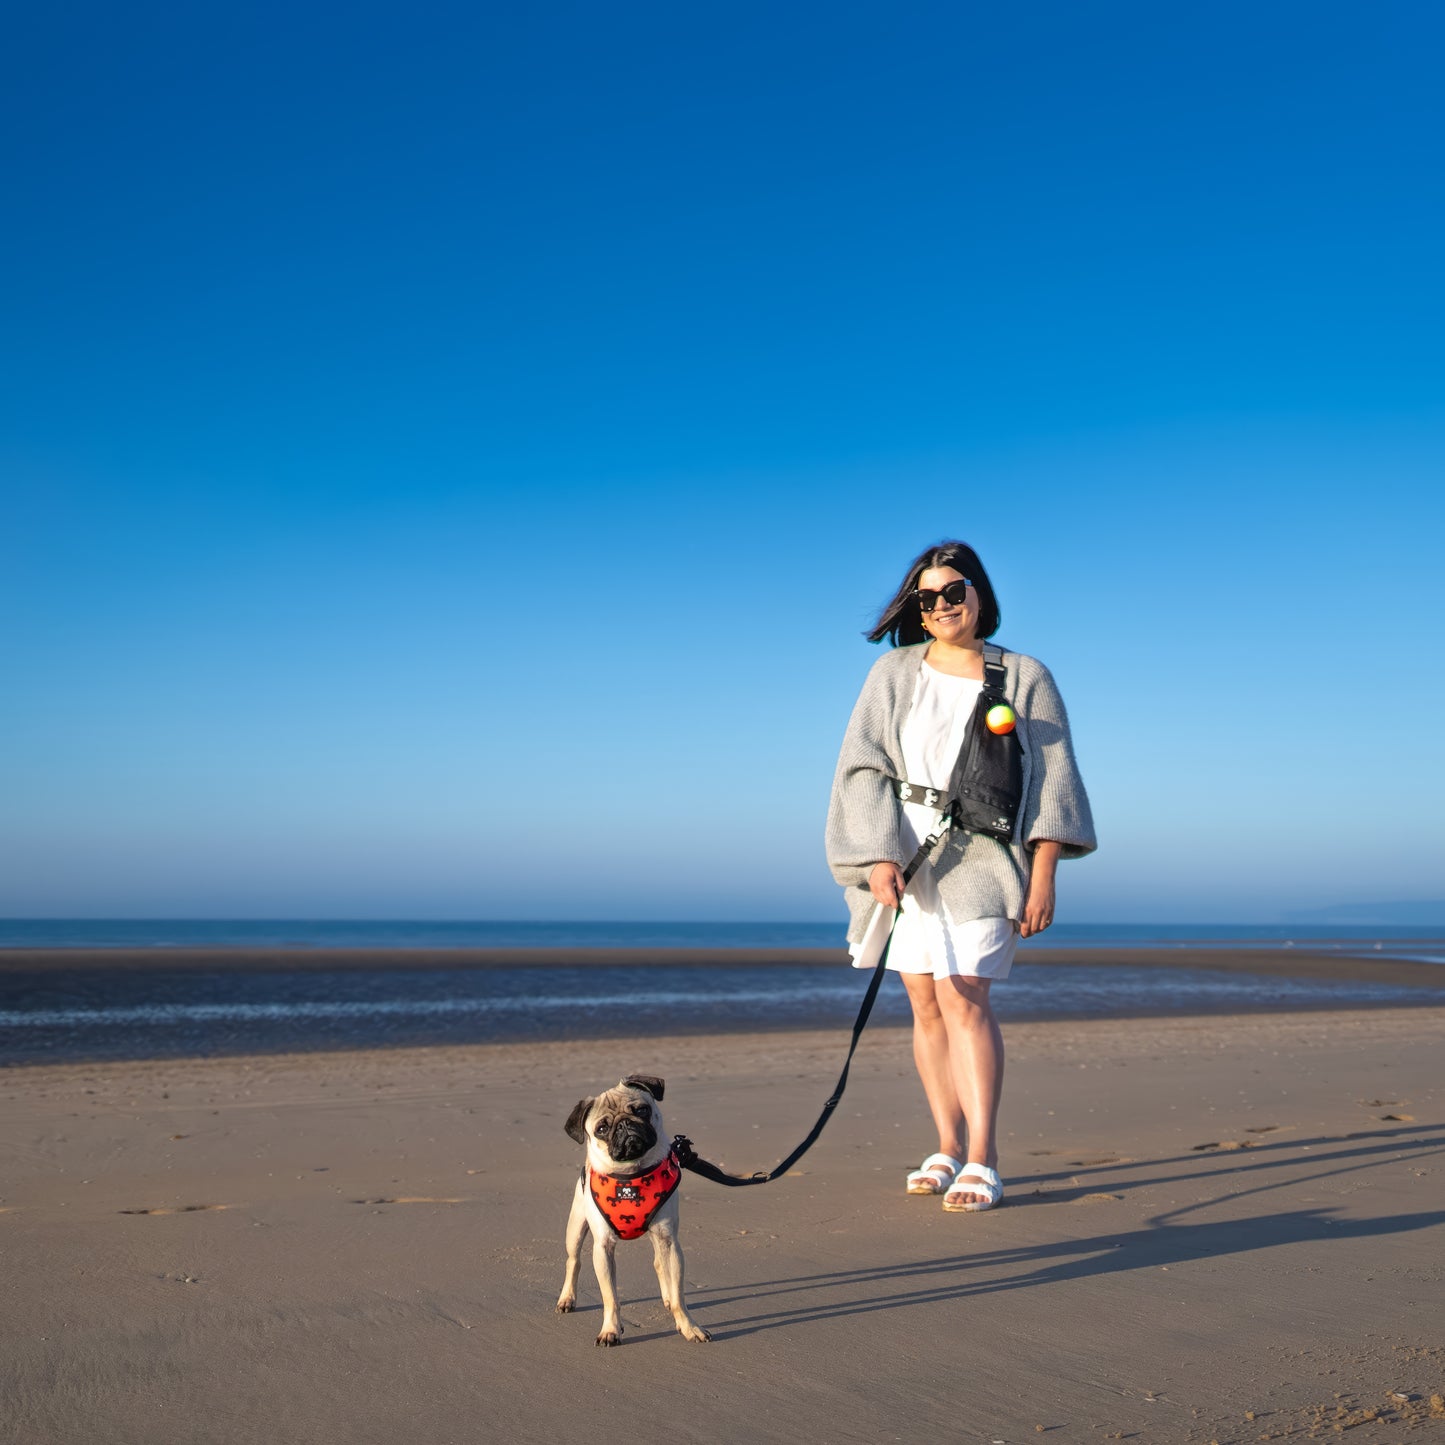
[631,1139]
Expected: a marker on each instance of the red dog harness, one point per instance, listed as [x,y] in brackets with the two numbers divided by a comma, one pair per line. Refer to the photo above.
[629,1203]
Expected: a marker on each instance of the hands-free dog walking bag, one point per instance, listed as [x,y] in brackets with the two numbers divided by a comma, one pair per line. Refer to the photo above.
[986,789]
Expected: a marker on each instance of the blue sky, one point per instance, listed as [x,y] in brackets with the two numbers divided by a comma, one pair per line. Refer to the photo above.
[450,455]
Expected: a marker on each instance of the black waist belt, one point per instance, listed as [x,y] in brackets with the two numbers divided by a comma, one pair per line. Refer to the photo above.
[917,793]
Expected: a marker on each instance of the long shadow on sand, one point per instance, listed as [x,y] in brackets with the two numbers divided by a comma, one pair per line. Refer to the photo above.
[1266,1152]
[1162,1241]
[1260,1157]
[1073,1259]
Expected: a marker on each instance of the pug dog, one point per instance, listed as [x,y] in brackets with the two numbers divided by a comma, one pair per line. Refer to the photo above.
[628,1188]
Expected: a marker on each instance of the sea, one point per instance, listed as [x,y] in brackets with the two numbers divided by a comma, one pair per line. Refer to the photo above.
[89,1011]
[1401,942]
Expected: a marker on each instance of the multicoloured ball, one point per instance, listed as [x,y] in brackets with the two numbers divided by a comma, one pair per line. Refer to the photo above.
[1000,719]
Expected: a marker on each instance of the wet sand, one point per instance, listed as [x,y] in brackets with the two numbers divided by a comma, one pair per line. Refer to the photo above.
[1301,962]
[1218,1228]
[91,1005]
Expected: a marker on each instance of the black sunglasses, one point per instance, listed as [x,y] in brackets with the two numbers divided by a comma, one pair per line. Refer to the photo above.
[955,594]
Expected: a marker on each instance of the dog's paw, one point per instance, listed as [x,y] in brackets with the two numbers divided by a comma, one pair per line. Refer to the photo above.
[610,1337]
[566,1304]
[696,1335]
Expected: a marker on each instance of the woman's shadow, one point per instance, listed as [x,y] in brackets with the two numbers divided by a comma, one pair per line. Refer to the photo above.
[1163,1240]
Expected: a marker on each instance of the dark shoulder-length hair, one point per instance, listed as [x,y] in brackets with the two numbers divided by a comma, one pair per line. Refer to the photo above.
[901,622]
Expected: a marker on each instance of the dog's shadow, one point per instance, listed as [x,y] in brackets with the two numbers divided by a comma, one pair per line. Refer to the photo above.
[836,1294]
[1160,1241]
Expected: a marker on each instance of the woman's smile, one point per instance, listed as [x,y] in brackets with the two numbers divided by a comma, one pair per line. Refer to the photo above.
[952,620]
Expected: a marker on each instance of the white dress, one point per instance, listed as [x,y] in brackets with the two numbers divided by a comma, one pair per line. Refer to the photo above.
[925,938]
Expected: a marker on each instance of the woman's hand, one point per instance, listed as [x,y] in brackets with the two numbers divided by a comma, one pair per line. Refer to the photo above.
[1039,905]
[885,883]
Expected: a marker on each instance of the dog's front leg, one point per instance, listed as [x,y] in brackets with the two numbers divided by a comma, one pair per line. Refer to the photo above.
[604,1262]
[576,1233]
[667,1258]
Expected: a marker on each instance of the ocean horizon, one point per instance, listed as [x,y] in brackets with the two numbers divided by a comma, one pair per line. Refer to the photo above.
[580,934]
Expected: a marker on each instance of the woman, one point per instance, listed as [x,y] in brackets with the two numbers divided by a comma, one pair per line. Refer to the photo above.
[965,909]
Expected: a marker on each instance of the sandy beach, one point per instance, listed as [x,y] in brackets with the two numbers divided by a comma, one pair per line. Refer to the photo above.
[1218,1228]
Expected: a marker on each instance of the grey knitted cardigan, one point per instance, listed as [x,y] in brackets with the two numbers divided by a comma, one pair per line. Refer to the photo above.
[978,876]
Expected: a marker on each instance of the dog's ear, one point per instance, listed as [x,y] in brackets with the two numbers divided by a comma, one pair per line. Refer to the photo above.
[650,1082]
[576,1125]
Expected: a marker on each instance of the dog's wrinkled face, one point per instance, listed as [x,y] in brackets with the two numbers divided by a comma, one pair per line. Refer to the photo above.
[624,1123]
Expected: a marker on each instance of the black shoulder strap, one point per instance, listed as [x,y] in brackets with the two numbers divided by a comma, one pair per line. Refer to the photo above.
[995,674]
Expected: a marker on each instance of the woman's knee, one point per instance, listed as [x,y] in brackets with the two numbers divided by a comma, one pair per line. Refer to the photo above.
[923,997]
[964,997]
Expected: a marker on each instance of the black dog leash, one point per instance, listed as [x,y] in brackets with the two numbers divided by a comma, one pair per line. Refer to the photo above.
[682,1145]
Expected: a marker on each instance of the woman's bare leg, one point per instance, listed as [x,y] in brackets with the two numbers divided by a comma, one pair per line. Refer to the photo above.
[932,1055]
[975,1054]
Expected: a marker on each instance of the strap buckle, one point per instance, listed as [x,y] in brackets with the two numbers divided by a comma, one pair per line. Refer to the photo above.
[995,674]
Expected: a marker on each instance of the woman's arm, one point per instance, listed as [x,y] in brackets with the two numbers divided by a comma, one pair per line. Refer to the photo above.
[862,830]
[1057,807]
[1039,905]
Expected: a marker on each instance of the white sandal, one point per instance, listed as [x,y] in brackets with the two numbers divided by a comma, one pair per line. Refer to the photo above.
[974,1179]
[927,1178]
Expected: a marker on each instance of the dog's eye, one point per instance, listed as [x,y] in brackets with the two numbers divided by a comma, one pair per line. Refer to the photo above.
[601,1130]
[641,1109]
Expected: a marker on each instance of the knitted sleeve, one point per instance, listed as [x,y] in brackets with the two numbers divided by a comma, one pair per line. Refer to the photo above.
[1057,806]
[863,813]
